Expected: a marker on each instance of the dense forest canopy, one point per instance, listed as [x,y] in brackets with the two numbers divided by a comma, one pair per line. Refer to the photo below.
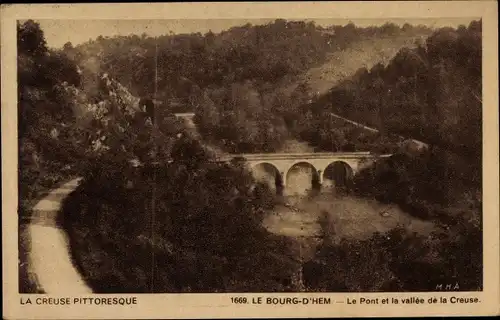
[260,53]
[230,80]
[233,80]
[432,92]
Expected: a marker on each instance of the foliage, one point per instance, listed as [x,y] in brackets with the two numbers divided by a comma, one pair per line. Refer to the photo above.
[207,227]
[427,186]
[328,133]
[241,119]
[44,115]
[64,125]
[398,261]
[431,93]
[265,53]
[229,79]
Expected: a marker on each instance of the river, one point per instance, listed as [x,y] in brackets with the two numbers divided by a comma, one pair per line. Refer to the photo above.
[349,217]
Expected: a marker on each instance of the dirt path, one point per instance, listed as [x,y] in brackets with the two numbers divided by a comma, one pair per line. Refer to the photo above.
[49,258]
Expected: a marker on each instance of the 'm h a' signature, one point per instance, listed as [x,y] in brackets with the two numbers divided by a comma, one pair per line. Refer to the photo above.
[447,286]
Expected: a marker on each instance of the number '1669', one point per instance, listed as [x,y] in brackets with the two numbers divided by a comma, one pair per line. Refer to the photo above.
[239,300]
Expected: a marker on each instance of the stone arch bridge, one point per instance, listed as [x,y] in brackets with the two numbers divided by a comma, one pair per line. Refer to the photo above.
[332,166]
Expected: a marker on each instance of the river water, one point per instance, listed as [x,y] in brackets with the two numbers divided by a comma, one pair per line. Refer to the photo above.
[349,217]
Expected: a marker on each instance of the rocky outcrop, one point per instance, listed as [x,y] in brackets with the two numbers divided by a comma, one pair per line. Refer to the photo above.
[107,115]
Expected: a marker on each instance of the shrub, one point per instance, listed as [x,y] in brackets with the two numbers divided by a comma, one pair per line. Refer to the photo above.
[350,266]
[423,185]
[398,261]
[207,234]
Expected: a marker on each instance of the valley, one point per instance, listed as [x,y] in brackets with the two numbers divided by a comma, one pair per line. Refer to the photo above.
[264,158]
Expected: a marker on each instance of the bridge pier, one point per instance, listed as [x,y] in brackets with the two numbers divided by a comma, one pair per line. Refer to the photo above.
[320,178]
[280,189]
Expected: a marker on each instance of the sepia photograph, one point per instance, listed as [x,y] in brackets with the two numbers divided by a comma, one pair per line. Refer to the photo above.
[221,160]
[266,155]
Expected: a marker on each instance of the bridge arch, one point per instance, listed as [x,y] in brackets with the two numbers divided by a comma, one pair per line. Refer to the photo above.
[338,173]
[302,177]
[269,174]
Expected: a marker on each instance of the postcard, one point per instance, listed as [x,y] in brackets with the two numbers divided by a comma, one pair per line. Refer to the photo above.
[221,160]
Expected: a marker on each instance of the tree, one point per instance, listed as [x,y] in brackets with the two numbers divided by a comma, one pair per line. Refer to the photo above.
[30,39]
[207,117]
[68,46]
[190,152]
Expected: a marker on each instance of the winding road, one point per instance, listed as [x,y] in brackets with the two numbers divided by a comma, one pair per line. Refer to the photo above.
[49,257]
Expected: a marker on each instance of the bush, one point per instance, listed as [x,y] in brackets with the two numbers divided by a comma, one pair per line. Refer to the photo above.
[397,261]
[207,234]
[350,266]
[423,185]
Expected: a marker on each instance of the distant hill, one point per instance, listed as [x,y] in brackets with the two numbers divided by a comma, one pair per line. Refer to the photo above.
[431,92]
[277,53]
[233,80]
[364,53]
[242,83]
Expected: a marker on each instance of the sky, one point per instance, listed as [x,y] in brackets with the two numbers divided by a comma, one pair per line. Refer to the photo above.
[58,32]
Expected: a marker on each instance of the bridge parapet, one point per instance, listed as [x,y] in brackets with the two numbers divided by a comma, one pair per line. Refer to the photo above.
[301,156]
[189,115]
[263,157]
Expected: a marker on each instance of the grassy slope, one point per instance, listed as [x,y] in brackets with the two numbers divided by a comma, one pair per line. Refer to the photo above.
[343,64]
